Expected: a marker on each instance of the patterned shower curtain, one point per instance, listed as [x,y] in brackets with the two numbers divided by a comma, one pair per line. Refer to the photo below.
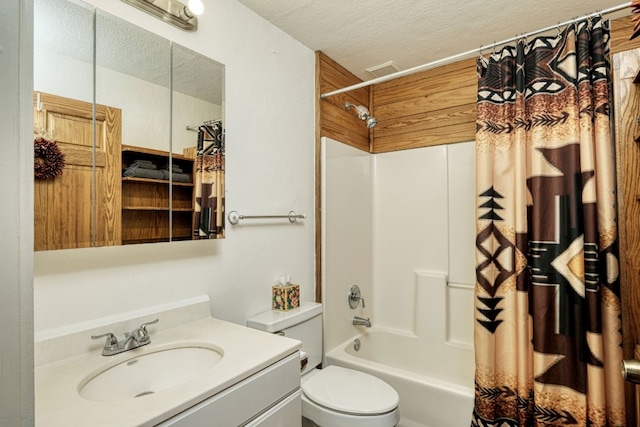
[547,300]
[208,219]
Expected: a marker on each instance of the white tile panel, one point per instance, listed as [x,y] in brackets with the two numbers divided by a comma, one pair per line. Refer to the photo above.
[461,179]
[410,227]
[347,237]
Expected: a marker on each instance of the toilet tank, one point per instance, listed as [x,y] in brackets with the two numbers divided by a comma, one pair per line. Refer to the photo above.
[303,324]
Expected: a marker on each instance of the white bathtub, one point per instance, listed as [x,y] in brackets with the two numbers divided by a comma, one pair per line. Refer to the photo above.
[429,396]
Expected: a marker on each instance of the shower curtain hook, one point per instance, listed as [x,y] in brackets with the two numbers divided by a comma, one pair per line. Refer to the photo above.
[522,38]
[485,61]
[594,18]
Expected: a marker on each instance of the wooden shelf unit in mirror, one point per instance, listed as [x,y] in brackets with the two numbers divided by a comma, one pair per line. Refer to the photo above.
[146,201]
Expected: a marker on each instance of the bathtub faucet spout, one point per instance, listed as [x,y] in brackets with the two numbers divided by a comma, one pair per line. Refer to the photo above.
[361,321]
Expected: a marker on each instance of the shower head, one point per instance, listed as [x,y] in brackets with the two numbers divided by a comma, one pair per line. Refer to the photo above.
[363,114]
[371,122]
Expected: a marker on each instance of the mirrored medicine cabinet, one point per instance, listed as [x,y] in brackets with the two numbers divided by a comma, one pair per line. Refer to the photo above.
[123,120]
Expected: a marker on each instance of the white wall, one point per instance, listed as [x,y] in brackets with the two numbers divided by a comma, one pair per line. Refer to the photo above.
[424,220]
[401,225]
[16,214]
[347,245]
[270,149]
[410,226]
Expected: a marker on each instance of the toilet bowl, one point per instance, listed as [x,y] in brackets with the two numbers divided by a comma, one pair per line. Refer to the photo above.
[332,396]
[341,397]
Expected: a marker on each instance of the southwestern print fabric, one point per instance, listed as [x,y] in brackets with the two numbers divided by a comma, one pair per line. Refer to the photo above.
[209,182]
[209,195]
[547,300]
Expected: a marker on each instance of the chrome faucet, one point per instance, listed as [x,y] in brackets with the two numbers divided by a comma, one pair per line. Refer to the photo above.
[134,339]
[361,321]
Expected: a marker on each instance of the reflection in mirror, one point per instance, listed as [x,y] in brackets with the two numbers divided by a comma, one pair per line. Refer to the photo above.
[128,126]
[133,69]
[64,212]
[133,73]
[198,134]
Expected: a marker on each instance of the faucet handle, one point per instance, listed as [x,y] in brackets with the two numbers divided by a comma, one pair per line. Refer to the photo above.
[141,334]
[354,297]
[111,341]
[144,325]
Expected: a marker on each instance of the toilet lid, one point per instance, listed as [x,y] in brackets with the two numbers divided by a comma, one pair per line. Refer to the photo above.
[350,391]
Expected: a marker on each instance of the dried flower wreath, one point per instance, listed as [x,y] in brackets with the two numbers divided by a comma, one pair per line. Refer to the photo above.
[48,159]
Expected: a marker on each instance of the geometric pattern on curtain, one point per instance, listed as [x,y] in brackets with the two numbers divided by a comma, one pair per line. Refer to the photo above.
[547,335]
[208,218]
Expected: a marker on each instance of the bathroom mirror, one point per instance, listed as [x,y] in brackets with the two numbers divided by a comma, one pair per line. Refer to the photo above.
[133,75]
[197,132]
[128,175]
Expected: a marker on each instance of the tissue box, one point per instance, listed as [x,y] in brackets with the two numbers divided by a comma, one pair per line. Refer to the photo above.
[285,298]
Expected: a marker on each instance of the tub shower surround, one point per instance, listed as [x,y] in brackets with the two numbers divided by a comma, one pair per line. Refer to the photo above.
[408,243]
[432,393]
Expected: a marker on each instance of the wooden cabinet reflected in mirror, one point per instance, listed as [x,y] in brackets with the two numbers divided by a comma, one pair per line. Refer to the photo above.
[135,174]
[67,212]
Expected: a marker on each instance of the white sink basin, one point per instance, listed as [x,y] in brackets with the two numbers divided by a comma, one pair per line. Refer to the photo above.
[151,372]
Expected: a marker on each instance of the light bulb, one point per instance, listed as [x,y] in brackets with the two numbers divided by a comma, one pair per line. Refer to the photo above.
[196,6]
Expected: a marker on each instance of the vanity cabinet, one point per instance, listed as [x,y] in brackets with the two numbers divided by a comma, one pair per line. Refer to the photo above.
[146,200]
[253,382]
[268,398]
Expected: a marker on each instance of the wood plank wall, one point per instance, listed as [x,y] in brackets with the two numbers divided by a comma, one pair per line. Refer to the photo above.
[626,65]
[336,122]
[433,107]
[621,30]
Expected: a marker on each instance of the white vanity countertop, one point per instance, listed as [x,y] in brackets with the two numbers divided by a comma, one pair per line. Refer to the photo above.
[246,351]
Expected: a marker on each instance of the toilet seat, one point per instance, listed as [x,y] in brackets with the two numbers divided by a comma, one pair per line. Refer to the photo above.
[350,392]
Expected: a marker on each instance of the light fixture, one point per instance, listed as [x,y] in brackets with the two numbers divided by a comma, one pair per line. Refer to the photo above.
[363,114]
[172,11]
[196,6]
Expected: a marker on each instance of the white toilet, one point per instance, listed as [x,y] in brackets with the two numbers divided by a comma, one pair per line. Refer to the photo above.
[333,396]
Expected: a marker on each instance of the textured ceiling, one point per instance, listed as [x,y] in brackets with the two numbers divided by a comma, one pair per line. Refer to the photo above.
[360,34]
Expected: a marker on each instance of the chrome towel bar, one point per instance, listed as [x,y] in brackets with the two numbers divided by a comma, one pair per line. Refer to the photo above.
[234,217]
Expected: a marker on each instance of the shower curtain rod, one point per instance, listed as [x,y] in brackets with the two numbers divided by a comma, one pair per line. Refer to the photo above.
[196,128]
[468,53]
